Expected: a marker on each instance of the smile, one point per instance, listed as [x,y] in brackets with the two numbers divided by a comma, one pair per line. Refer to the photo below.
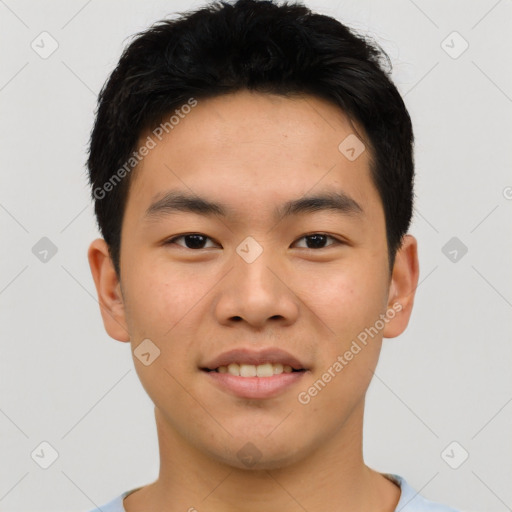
[251,370]
[254,382]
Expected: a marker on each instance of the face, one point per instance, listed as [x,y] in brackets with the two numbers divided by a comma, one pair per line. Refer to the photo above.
[250,238]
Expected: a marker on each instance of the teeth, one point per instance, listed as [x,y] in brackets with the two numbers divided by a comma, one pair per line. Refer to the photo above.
[264,370]
[234,369]
[251,370]
[277,368]
[248,370]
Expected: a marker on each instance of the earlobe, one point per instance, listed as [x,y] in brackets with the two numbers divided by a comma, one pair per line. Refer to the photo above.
[109,290]
[402,289]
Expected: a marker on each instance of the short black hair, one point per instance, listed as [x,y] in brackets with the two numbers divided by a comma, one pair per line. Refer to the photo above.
[257,45]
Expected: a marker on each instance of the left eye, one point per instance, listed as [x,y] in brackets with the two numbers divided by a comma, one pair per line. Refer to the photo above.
[317,241]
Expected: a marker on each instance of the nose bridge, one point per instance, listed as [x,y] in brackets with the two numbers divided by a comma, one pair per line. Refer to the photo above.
[253,291]
[254,278]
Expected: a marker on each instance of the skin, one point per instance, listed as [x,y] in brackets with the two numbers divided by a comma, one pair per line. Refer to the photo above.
[253,152]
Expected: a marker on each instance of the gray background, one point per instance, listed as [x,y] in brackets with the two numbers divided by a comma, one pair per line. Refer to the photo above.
[447,378]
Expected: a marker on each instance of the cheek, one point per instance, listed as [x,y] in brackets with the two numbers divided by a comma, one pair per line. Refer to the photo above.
[160,299]
[344,300]
[161,304]
[349,303]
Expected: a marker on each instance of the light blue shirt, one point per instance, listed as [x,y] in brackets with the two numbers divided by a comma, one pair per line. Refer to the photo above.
[410,500]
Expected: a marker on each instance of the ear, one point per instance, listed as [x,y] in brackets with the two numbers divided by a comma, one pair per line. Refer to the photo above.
[108,289]
[402,288]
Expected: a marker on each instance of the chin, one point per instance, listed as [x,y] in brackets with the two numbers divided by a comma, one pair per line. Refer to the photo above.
[258,454]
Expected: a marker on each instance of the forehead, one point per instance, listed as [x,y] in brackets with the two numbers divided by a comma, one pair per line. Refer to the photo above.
[243,146]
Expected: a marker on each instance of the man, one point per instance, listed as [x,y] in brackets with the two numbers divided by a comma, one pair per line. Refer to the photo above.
[252,171]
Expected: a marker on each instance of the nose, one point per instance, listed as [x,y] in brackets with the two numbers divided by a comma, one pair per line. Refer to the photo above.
[256,293]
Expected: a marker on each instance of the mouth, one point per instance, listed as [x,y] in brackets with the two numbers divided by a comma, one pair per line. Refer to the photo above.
[250,374]
[246,362]
[264,370]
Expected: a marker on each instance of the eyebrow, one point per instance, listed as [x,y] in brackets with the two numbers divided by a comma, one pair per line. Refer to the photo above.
[175,201]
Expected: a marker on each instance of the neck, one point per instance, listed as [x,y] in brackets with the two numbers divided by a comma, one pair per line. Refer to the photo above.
[332,477]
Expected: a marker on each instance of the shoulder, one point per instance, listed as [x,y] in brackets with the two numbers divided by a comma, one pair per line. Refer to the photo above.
[115,505]
[412,501]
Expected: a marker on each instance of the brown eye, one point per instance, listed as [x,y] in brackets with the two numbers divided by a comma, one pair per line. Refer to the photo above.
[191,241]
[317,241]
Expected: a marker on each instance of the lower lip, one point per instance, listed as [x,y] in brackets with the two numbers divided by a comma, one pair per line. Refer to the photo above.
[255,387]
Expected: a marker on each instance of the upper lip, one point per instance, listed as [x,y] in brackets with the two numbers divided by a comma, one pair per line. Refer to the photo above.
[254,357]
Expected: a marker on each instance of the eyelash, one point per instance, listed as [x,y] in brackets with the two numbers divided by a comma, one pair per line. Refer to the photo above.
[172,241]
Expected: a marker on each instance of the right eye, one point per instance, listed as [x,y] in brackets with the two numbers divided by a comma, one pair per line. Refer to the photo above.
[191,241]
